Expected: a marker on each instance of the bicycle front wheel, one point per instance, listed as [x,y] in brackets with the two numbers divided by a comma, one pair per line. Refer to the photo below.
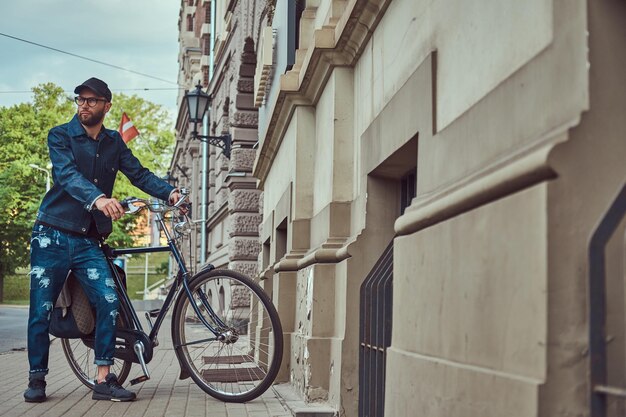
[241,361]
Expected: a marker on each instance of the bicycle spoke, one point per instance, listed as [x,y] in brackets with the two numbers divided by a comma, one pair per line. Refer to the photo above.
[199,341]
[80,358]
[242,361]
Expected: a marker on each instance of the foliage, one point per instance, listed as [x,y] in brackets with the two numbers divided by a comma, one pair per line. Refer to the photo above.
[153,147]
[23,137]
[163,268]
[23,141]
[16,287]
[135,277]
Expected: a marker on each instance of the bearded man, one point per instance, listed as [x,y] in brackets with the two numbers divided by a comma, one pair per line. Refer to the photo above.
[74,217]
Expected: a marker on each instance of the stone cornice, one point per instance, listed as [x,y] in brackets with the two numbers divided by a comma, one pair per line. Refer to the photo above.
[330,47]
[328,253]
[506,176]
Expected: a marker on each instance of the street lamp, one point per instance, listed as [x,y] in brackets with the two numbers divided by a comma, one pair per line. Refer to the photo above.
[199,103]
[44,170]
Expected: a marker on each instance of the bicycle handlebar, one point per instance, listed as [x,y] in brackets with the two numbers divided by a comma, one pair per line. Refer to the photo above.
[134,204]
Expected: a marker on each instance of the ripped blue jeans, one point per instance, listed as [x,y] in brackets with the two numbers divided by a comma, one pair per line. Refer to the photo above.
[52,255]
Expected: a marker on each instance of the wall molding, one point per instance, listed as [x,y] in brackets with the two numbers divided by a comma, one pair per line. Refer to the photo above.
[331,46]
[528,166]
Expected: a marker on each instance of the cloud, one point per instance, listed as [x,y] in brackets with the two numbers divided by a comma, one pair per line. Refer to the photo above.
[141,35]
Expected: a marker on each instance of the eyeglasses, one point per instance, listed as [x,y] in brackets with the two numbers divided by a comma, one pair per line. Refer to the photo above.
[91,101]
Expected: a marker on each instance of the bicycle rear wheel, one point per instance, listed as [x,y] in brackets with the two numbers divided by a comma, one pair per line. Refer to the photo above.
[243,361]
[80,357]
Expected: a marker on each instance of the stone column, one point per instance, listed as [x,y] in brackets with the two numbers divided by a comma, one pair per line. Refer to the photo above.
[243,202]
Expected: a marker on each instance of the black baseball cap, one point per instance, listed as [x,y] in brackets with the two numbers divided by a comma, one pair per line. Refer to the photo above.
[97,86]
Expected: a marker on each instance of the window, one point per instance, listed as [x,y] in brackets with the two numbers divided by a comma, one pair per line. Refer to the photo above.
[207,12]
[267,247]
[281,240]
[407,190]
[206,45]
[189,23]
[294,14]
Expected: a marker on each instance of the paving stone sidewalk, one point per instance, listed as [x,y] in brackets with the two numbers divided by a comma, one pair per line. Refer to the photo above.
[163,395]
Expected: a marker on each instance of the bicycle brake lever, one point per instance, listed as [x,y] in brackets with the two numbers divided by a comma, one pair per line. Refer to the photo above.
[127,204]
[132,209]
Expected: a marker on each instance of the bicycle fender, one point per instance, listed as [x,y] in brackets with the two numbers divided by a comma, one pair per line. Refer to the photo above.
[183,372]
[205,268]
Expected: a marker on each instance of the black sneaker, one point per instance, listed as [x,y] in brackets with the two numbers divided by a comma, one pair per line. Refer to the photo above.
[110,389]
[36,392]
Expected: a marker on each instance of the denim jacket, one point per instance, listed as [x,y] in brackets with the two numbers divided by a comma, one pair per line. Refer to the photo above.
[84,169]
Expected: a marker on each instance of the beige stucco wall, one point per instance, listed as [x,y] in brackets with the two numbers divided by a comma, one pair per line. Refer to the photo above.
[470,311]
[591,172]
[481,275]
[511,111]
[482,278]
[282,174]
[332,179]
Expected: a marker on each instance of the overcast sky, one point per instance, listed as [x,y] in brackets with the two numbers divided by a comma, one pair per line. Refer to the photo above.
[141,35]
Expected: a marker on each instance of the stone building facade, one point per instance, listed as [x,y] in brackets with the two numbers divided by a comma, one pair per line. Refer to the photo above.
[483,143]
[230,215]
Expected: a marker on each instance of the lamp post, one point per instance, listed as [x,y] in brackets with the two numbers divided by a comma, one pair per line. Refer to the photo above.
[35,166]
[170,179]
[199,103]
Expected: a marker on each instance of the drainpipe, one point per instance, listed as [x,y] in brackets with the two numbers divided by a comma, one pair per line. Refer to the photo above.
[205,165]
[205,148]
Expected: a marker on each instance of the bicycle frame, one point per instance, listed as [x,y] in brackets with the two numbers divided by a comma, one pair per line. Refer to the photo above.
[182,279]
[226,332]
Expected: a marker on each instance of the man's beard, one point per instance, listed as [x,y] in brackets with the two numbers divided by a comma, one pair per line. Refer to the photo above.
[93,119]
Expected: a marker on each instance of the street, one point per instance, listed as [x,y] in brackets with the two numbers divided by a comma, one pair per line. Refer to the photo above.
[13,322]
[162,395]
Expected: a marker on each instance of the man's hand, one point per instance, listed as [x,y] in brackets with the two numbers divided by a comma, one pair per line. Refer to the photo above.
[110,207]
[174,197]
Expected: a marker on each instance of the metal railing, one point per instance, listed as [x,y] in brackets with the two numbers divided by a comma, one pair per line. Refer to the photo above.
[599,390]
[375,334]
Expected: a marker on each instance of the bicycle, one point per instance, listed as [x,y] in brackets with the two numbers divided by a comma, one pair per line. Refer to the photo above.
[232,352]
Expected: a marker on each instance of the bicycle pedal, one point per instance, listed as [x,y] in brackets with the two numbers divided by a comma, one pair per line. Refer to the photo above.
[154,313]
[139,351]
[138,380]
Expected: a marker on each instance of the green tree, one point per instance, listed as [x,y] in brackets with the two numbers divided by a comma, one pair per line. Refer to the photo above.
[23,136]
[153,147]
[23,141]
